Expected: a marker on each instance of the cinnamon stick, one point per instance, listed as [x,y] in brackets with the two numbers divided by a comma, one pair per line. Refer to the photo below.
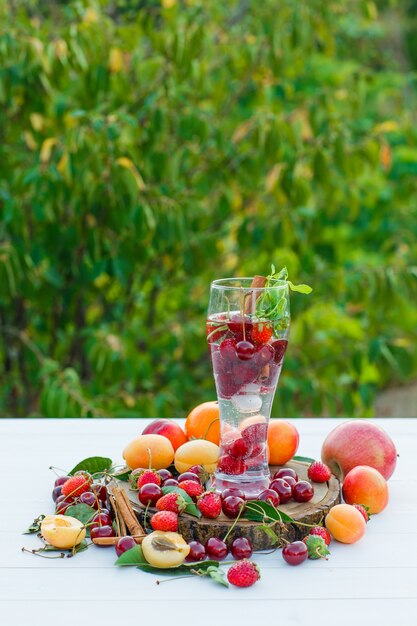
[126,512]
[112,541]
[258,282]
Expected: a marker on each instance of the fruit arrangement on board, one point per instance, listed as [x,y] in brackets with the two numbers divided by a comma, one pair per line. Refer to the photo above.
[141,508]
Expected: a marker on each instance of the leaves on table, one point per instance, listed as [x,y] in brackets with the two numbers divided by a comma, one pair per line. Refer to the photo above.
[120,473]
[92,465]
[303,459]
[82,512]
[35,525]
[260,511]
[191,508]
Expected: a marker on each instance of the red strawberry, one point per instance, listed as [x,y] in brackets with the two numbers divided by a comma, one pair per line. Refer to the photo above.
[210,504]
[319,472]
[363,510]
[76,485]
[261,333]
[321,532]
[243,573]
[228,465]
[148,476]
[280,347]
[255,433]
[165,520]
[191,487]
[171,502]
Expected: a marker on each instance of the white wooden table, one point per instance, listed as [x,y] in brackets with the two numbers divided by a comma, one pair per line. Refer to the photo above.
[371,582]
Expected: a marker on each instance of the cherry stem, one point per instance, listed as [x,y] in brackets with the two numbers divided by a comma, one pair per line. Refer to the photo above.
[234,523]
[53,468]
[43,556]
[217,419]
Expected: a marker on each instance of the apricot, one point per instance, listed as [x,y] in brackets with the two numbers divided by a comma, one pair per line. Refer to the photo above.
[165,549]
[197,452]
[62,531]
[365,485]
[203,422]
[167,428]
[345,523]
[149,451]
[283,439]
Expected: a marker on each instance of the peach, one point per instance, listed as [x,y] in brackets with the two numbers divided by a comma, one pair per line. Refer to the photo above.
[345,523]
[197,452]
[167,428]
[359,442]
[149,451]
[283,439]
[365,485]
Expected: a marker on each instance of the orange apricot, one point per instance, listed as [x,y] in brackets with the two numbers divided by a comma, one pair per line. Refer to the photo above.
[154,451]
[283,439]
[345,523]
[203,422]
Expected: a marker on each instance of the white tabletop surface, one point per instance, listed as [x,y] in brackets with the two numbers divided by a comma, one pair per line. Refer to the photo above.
[371,582]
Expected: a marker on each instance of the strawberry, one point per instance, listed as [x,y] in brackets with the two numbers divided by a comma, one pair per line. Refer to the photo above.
[228,465]
[171,502]
[255,433]
[364,511]
[319,472]
[210,504]
[322,532]
[243,573]
[140,477]
[165,520]
[191,487]
[317,548]
[76,485]
[261,333]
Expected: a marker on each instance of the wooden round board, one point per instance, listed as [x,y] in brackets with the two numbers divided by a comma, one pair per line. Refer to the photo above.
[326,495]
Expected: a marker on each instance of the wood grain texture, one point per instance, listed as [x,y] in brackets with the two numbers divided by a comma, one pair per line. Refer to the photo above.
[326,495]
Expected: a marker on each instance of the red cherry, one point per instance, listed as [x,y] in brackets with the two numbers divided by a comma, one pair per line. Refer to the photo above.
[90,499]
[236,323]
[101,519]
[63,506]
[284,472]
[302,491]
[149,494]
[295,553]
[264,355]
[165,474]
[239,448]
[241,548]
[290,480]
[56,493]
[227,349]
[189,476]
[124,544]
[269,495]
[102,531]
[282,488]
[233,491]
[170,482]
[216,548]
[197,552]
[245,350]
[280,347]
[101,492]
[232,505]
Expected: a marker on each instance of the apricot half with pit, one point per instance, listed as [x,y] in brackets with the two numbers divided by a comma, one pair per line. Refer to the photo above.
[165,549]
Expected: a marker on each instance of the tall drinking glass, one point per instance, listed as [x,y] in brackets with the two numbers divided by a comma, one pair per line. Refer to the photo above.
[247,335]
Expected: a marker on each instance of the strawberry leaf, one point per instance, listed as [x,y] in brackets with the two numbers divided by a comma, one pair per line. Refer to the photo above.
[190,506]
[316,546]
[92,465]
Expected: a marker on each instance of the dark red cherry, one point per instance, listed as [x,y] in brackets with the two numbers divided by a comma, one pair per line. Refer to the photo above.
[165,474]
[189,476]
[227,349]
[150,494]
[90,499]
[62,506]
[101,519]
[282,488]
[101,492]
[264,355]
[239,448]
[302,491]
[295,553]
[216,548]
[290,480]
[56,493]
[245,350]
[233,491]
[61,480]
[197,552]
[241,548]
[232,505]
[170,482]
[102,531]
[124,544]
[280,347]
[269,495]
[284,472]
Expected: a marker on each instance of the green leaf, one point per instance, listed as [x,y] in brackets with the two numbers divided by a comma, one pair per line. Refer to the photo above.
[93,465]
[122,473]
[317,548]
[303,459]
[191,507]
[134,556]
[260,511]
[82,512]
[299,288]
[217,575]
[35,525]
[271,534]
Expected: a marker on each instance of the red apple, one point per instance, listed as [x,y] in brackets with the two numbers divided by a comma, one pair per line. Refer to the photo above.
[365,485]
[167,428]
[359,442]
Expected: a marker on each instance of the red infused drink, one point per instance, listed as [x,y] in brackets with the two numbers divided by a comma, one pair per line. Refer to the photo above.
[247,334]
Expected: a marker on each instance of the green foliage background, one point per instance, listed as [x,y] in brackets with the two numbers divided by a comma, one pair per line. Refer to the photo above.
[147,148]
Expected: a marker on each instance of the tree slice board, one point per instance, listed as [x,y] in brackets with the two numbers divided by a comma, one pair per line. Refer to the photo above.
[326,495]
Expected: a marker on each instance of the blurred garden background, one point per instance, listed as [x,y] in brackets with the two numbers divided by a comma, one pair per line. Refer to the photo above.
[148,147]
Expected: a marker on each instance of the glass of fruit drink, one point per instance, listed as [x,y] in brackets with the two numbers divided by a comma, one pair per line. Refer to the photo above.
[247,334]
